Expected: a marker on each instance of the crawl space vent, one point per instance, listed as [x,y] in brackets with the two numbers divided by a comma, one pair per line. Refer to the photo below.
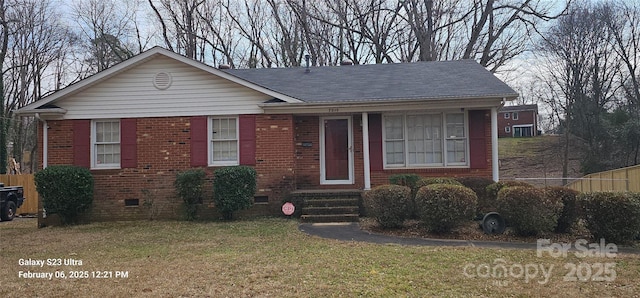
[162,80]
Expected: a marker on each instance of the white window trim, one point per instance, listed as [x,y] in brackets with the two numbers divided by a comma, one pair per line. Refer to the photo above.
[506,116]
[384,141]
[522,126]
[445,163]
[466,162]
[507,129]
[94,164]
[515,116]
[211,162]
[443,139]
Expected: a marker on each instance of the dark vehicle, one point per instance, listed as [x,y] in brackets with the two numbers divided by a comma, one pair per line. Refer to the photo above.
[11,198]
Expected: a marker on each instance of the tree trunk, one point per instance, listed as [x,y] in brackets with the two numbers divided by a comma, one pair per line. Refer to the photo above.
[4,121]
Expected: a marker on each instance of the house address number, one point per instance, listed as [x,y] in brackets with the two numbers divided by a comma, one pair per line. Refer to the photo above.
[333,110]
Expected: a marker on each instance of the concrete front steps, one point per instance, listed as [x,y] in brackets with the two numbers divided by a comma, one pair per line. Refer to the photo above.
[322,206]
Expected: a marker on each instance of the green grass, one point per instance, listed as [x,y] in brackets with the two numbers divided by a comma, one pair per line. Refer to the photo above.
[270,257]
[524,147]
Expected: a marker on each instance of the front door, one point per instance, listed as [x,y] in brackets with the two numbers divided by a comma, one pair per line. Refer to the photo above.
[336,154]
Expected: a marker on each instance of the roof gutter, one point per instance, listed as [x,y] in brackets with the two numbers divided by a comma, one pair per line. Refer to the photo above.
[42,113]
[383,105]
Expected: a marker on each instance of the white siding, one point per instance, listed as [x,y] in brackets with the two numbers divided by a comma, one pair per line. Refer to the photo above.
[192,92]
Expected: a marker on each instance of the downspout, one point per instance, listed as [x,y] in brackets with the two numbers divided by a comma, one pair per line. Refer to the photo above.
[45,142]
[495,162]
[365,150]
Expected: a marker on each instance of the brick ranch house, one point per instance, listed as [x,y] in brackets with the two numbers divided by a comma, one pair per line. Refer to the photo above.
[518,121]
[138,123]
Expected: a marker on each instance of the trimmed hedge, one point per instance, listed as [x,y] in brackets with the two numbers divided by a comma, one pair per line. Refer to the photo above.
[569,212]
[190,188]
[528,210]
[411,181]
[479,185]
[233,189]
[443,207]
[388,204]
[612,216]
[494,188]
[408,180]
[65,190]
[437,180]
[491,200]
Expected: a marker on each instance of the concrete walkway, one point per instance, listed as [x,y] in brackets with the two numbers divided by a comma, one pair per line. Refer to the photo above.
[352,232]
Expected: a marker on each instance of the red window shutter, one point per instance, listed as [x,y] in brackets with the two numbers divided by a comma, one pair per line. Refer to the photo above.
[247,137]
[199,153]
[128,143]
[477,139]
[375,142]
[82,143]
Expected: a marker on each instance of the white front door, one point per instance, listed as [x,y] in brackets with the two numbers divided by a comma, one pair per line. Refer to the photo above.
[336,150]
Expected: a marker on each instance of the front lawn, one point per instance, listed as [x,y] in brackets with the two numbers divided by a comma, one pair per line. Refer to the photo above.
[270,257]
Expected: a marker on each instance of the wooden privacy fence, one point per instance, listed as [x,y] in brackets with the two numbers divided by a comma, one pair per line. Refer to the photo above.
[625,179]
[30,205]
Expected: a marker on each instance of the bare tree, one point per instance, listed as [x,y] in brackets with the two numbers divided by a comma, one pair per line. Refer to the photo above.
[623,21]
[582,81]
[218,34]
[492,31]
[250,18]
[4,120]
[287,35]
[36,42]
[181,26]
[107,26]
[309,31]
[366,30]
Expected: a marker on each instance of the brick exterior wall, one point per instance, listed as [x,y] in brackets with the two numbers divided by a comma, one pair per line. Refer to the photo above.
[275,158]
[382,176]
[284,163]
[524,118]
[308,158]
[163,146]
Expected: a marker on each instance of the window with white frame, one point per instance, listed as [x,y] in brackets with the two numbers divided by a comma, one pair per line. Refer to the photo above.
[506,115]
[425,140]
[223,140]
[105,145]
[456,139]
[394,140]
[515,116]
[507,129]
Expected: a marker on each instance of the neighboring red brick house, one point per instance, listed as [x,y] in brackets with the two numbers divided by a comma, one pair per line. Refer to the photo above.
[140,122]
[518,121]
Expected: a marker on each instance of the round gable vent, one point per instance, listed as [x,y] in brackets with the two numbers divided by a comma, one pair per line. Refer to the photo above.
[162,80]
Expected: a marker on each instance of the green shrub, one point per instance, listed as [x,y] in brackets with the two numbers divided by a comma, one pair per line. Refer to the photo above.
[443,207]
[411,181]
[479,185]
[491,200]
[408,180]
[494,188]
[569,213]
[65,190]
[438,180]
[233,189]
[190,187]
[612,216]
[388,204]
[528,210]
